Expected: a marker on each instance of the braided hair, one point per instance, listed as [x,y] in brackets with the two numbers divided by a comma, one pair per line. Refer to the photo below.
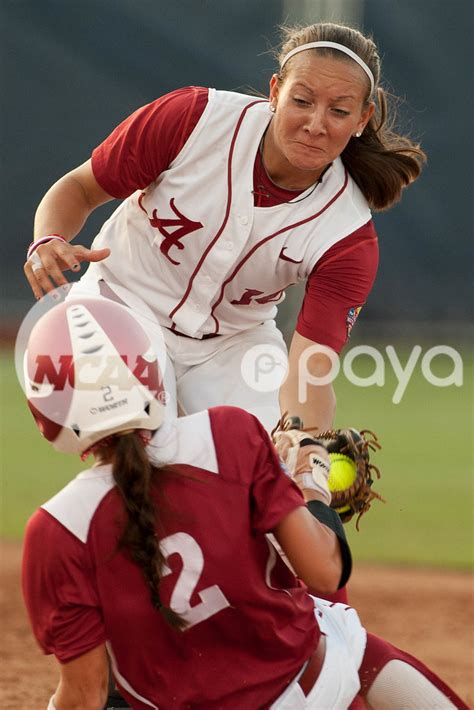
[135,478]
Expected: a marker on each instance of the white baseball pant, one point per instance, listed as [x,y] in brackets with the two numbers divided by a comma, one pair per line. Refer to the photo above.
[243,369]
[338,682]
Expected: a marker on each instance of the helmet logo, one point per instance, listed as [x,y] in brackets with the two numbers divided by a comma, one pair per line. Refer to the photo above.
[92,371]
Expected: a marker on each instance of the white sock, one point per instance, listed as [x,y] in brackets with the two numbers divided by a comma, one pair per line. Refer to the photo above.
[399,686]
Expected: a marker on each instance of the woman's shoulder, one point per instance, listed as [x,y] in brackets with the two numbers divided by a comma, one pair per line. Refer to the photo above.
[230,418]
[74,505]
[236,98]
[204,438]
[209,428]
[359,246]
[232,106]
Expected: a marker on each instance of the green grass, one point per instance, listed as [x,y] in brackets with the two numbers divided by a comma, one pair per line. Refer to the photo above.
[425,461]
[30,470]
[426,466]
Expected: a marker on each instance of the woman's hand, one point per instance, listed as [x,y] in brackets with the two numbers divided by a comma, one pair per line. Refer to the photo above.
[44,268]
[306,460]
[63,211]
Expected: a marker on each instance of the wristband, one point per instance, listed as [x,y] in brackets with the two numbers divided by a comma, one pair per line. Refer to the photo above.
[43,240]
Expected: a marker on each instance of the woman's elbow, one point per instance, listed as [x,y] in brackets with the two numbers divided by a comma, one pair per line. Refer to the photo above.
[92,701]
[92,697]
[327,581]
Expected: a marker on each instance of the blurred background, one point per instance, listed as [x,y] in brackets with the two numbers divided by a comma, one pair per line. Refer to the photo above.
[73,70]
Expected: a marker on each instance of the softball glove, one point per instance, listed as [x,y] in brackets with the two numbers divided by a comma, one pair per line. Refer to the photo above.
[349,495]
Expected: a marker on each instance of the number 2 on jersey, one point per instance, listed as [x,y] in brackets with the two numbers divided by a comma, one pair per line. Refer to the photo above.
[212,598]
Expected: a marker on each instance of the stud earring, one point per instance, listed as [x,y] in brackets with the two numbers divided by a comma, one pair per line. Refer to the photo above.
[272,108]
[358,134]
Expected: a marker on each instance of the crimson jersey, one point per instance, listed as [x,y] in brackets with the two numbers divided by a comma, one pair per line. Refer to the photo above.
[146,143]
[251,623]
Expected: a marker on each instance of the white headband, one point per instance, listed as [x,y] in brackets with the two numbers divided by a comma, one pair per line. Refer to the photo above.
[333,45]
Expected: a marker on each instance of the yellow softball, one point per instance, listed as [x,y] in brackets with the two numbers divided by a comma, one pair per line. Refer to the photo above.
[342,475]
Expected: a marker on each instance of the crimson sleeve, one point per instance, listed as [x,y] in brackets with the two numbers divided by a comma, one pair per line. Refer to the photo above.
[147,142]
[338,287]
[59,590]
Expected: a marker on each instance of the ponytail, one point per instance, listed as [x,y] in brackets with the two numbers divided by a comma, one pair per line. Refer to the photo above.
[382,162]
[134,476]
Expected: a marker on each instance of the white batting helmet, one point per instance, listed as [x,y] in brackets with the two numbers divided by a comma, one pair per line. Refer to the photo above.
[90,371]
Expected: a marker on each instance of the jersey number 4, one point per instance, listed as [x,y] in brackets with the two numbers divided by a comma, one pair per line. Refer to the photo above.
[212,598]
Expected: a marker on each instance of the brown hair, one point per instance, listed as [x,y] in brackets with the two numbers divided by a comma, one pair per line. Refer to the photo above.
[135,477]
[382,162]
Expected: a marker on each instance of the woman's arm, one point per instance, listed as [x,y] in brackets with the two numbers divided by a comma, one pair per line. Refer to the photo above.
[313,551]
[336,290]
[130,158]
[316,550]
[60,594]
[312,538]
[64,210]
[69,202]
[315,404]
[83,682]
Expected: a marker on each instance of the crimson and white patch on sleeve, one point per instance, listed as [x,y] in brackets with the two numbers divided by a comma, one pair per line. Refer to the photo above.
[351,318]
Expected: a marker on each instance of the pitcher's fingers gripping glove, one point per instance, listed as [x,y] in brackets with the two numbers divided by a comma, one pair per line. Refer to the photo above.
[303,458]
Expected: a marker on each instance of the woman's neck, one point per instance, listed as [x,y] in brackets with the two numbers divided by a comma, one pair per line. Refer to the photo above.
[102,457]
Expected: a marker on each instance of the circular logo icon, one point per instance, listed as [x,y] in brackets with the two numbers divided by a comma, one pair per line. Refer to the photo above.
[264,367]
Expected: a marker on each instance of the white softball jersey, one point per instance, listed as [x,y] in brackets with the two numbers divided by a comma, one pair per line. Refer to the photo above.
[198,252]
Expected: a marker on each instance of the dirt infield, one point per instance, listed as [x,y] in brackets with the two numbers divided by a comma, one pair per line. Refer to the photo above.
[426,612]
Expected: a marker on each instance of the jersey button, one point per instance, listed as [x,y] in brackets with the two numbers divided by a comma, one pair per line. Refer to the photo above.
[229,245]
[243,219]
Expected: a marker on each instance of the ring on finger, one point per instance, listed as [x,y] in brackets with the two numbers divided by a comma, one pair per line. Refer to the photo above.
[35,261]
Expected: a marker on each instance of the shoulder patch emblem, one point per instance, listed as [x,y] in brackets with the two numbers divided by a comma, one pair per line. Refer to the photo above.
[351,318]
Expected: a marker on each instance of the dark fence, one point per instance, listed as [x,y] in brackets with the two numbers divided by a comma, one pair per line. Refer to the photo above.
[72,70]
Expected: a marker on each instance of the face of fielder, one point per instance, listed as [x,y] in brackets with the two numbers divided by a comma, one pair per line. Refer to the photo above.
[319,107]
